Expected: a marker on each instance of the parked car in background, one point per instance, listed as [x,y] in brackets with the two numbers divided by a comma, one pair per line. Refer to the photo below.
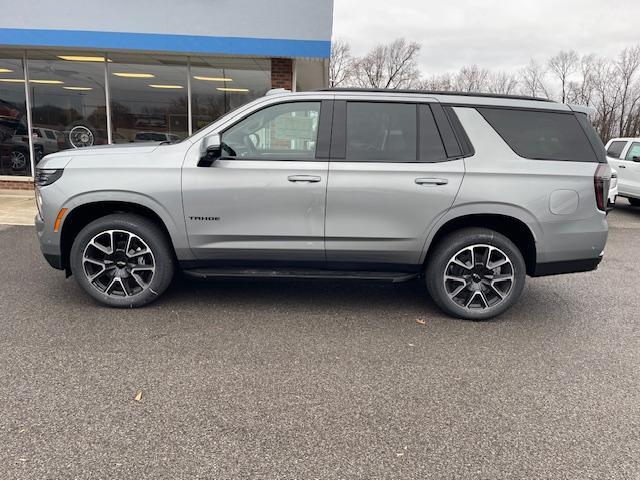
[47,138]
[156,137]
[472,193]
[623,154]
[14,155]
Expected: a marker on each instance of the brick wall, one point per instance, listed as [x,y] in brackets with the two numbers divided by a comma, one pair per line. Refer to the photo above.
[16,185]
[281,73]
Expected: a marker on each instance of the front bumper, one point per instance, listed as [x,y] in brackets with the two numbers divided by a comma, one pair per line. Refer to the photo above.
[50,251]
[54,260]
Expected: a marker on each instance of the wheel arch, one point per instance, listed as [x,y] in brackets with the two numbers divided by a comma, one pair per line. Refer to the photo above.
[515,229]
[80,216]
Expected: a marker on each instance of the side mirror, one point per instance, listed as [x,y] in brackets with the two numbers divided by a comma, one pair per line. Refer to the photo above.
[211,150]
[635,159]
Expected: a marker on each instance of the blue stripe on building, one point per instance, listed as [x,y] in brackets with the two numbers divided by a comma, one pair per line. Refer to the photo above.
[268,47]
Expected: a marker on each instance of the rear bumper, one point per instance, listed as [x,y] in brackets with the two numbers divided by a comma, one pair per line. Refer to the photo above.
[568,266]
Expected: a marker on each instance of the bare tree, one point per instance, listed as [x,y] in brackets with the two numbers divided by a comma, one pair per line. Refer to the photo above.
[438,83]
[503,83]
[340,63]
[471,79]
[580,91]
[388,66]
[563,65]
[606,96]
[533,80]
[626,66]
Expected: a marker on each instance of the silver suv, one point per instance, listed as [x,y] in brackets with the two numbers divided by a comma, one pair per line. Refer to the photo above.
[470,192]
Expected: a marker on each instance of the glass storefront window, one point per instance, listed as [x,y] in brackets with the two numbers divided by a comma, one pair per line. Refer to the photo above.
[148,98]
[15,158]
[67,100]
[219,85]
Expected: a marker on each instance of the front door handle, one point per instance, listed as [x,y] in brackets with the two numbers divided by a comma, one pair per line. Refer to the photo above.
[432,181]
[621,166]
[304,178]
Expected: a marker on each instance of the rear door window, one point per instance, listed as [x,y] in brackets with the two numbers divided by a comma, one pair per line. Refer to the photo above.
[615,149]
[381,132]
[541,135]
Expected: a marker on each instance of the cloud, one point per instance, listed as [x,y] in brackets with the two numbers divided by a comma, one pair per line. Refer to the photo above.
[496,34]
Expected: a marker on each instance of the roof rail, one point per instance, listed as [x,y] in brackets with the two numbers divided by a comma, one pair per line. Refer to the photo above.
[436,92]
[590,111]
[273,91]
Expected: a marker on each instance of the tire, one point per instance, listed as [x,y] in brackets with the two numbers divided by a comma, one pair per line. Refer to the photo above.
[144,271]
[19,160]
[488,291]
[634,202]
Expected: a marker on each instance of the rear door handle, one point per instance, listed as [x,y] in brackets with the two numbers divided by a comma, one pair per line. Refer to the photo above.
[432,181]
[304,178]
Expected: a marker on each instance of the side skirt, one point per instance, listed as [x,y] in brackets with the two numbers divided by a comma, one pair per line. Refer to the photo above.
[243,272]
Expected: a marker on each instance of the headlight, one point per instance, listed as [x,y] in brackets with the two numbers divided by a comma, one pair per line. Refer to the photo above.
[46,176]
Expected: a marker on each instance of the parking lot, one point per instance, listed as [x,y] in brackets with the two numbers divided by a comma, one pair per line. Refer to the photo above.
[316,379]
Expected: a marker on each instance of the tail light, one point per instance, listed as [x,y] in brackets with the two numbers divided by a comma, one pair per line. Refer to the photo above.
[601,180]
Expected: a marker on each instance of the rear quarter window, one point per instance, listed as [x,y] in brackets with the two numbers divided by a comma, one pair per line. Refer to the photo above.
[541,135]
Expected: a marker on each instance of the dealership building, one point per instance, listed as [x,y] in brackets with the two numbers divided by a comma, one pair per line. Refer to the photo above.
[76,73]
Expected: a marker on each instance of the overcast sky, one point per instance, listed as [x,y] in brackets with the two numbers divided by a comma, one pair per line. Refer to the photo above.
[491,33]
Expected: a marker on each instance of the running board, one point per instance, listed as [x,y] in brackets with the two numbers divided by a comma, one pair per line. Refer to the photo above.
[393,277]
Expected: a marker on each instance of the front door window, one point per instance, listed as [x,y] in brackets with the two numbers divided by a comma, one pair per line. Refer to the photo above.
[634,151]
[287,131]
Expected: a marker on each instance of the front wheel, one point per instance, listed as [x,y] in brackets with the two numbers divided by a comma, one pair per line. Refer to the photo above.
[475,274]
[122,260]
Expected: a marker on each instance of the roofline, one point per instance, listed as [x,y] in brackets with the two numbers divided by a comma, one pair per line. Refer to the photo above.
[436,92]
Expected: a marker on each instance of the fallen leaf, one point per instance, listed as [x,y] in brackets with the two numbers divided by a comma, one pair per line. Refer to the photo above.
[399,454]
[411,345]
[138,396]
[420,321]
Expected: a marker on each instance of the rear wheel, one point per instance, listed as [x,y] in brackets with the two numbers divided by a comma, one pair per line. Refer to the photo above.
[122,260]
[475,273]
[634,202]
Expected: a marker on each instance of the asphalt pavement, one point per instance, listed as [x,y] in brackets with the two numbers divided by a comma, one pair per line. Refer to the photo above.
[319,379]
